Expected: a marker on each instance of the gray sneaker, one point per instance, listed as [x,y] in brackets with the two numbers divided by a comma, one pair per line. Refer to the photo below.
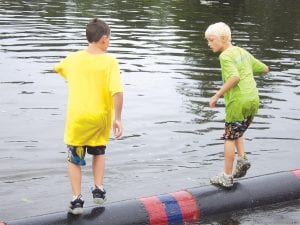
[241,167]
[222,180]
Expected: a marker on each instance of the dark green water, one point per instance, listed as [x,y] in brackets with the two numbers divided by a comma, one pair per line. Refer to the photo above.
[172,138]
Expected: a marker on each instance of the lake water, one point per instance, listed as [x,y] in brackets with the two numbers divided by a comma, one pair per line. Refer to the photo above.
[172,138]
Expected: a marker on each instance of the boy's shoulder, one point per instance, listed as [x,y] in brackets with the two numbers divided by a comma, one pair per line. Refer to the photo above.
[233,52]
[83,53]
[110,56]
[74,53]
[112,59]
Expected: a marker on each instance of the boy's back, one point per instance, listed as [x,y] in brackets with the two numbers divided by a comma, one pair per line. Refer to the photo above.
[92,80]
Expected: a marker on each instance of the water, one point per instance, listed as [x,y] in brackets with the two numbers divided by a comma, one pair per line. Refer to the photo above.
[172,138]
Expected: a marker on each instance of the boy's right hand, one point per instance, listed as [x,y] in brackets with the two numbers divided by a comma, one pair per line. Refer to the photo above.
[213,101]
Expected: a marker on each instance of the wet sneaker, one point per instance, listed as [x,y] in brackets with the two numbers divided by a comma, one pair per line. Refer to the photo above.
[222,180]
[76,206]
[241,167]
[98,195]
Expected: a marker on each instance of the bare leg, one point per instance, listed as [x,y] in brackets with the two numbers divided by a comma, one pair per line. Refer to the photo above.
[229,153]
[98,169]
[75,178]
[239,143]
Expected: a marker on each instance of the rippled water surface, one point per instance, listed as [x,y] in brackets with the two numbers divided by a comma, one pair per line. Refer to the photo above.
[172,138]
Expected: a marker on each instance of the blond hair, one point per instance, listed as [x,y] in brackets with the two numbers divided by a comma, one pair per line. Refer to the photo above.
[219,29]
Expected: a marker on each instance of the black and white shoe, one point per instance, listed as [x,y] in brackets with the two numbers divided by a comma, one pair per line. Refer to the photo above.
[76,206]
[99,195]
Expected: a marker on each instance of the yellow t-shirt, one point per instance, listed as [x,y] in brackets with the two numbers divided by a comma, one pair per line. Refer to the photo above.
[92,79]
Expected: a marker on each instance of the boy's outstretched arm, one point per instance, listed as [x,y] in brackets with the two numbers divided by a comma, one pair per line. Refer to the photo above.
[231,82]
[266,69]
[117,123]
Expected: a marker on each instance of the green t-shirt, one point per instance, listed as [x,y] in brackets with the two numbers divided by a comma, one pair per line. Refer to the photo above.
[241,101]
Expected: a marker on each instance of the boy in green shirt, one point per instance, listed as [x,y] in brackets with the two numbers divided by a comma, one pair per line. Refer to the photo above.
[240,95]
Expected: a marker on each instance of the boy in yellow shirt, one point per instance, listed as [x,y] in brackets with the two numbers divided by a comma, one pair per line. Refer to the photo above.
[95,100]
[241,98]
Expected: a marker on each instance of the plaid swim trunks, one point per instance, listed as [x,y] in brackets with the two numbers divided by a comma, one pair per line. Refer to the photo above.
[235,130]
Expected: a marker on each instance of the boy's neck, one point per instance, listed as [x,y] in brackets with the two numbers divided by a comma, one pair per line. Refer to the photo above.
[95,48]
[226,46]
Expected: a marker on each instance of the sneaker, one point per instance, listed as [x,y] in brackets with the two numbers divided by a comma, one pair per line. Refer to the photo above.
[76,206]
[222,180]
[98,195]
[241,167]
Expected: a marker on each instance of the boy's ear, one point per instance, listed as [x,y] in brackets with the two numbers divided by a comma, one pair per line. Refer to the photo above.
[104,39]
[224,39]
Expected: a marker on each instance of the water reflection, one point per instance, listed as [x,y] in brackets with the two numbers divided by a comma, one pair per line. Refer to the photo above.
[258,215]
[169,73]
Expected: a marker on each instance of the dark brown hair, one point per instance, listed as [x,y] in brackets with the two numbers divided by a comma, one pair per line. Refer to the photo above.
[95,29]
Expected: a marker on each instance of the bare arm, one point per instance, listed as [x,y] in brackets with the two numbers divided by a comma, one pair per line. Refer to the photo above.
[231,82]
[117,123]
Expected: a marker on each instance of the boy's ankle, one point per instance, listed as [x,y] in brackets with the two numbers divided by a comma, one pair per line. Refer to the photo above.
[77,197]
[99,187]
[227,175]
[243,157]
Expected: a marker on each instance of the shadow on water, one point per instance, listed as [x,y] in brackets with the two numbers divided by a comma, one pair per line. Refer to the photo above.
[171,135]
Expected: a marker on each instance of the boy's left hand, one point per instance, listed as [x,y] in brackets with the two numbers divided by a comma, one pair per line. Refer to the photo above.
[117,128]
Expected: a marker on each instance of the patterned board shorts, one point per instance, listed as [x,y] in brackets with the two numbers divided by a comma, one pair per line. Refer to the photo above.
[235,130]
[76,154]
